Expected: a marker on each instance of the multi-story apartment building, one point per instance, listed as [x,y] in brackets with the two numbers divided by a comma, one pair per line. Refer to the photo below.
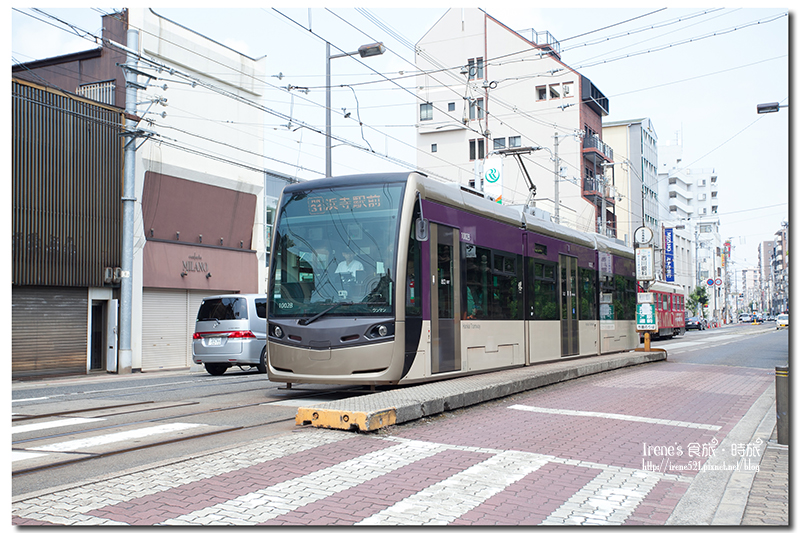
[635,174]
[751,290]
[201,223]
[766,251]
[510,90]
[780,270]
[691,204]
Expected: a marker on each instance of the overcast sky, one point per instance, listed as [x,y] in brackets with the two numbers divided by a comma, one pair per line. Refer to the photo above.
[698,74]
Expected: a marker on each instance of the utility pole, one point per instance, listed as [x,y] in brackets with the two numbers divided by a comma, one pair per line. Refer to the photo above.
[557,178]
[125,360]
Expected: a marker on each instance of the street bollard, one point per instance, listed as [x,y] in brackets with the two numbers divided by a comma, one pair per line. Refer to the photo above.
[782,403]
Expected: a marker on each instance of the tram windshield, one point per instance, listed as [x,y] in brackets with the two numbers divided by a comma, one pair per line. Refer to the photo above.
[335,251]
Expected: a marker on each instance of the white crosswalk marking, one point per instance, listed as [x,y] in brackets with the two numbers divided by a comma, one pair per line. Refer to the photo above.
[17,455]
[609,499]
[447,500]
[271,502]
[74,445]
[53,424]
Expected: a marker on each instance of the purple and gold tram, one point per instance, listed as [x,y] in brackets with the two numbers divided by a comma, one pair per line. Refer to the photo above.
[398,278]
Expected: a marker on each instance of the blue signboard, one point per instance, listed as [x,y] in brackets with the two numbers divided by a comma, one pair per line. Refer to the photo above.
[669,255]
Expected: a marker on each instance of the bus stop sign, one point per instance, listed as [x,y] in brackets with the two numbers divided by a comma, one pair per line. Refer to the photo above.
[646,317]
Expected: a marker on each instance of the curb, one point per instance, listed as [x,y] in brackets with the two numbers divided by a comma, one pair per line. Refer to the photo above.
[391,407]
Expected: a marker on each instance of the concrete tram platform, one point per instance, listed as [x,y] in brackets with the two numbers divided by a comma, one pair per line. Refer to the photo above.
[396,406]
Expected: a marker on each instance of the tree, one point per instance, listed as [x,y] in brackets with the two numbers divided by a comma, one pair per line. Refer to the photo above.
[698,299]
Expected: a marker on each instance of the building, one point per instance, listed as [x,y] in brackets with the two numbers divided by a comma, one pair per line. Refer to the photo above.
[635,170]
[203,197]
[691,207]
[766,251]
[751,290]
[779,262]
[512,93]
[66,218]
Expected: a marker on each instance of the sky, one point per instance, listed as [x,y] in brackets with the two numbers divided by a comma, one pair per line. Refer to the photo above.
[698,74]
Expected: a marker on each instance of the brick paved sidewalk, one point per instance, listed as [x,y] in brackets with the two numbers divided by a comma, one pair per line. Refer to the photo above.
[768,503]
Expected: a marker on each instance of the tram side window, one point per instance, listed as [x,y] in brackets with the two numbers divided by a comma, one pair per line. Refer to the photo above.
[490,289]
[542,293]
[587,291]
[625,298]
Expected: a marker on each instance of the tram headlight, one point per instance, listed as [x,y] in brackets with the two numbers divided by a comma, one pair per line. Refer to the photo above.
[277,332]
[381,331]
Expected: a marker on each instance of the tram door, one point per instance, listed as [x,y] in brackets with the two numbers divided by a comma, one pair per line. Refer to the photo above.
[569,304]
[445,299]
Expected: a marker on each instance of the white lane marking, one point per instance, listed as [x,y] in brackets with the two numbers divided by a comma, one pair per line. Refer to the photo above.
[615,416]
[17,455]
[684,344]
[31,399]
[53,424]
[447,500]
[285,497]
[74,445]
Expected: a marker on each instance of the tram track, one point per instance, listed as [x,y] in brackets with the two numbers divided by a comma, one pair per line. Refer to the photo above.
[22,444]
[93,456]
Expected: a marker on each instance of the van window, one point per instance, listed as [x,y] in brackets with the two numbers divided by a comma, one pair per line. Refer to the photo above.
[222,309]
[261,307]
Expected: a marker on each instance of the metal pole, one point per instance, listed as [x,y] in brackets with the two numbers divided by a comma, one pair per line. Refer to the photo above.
[328,173]
[782,403]
[557,171]
[125,363]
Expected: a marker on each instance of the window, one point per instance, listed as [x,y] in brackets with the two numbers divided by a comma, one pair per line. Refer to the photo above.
[451,106]
[492,284]
[475,68]
[434,148]
[587,292]
[567,89]
[500,144]
[542,293]
[541,92]
[515,142]
[476,149]
[476,109]
[555,91]
[426,111]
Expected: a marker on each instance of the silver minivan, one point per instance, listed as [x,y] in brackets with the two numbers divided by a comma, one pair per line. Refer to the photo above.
[231,329]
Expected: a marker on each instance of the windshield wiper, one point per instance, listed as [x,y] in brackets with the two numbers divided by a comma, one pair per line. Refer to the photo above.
[307,321]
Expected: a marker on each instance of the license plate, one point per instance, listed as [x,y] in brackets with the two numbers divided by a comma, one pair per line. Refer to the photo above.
[214,341]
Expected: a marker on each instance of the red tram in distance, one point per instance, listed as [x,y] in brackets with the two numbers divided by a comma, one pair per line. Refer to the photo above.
[670,307]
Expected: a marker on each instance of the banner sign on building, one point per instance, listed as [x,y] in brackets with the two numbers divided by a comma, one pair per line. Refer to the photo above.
[493,178]
[669,255]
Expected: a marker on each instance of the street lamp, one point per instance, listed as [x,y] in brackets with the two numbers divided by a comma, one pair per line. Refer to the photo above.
[771,107]
[367,50]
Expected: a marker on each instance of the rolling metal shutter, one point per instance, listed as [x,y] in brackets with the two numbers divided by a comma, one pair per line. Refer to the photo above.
[168,318]
[49,331]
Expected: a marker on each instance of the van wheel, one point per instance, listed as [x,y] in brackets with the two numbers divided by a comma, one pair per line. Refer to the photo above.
[216,369]
[262,366]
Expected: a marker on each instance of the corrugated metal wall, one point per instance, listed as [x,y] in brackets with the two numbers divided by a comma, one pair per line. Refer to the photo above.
[67,162]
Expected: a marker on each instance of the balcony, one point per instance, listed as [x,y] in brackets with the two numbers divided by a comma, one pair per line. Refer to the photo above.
[596,151]
[542,39]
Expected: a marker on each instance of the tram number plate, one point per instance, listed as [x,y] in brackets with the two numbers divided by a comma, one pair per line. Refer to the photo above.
[214,341]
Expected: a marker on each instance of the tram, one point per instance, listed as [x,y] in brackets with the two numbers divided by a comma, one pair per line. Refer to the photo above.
[398,278]
[670,307]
